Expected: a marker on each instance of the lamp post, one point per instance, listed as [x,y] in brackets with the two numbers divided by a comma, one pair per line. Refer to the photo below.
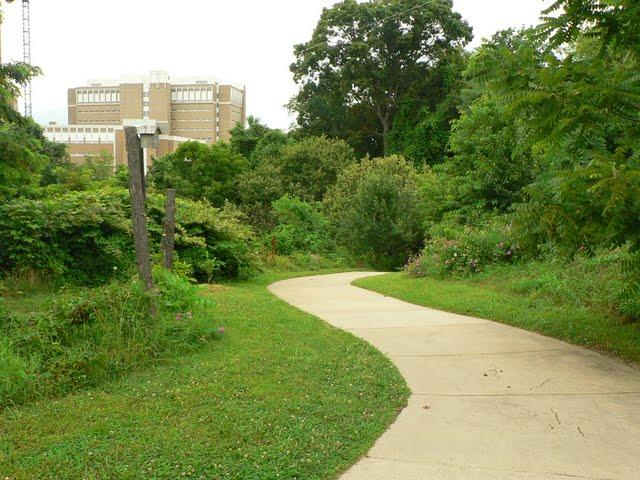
[149,134]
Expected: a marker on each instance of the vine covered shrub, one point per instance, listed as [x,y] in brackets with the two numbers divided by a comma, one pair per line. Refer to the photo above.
[458,250]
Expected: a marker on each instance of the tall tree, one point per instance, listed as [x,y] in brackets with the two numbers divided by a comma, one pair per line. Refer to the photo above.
[370,57]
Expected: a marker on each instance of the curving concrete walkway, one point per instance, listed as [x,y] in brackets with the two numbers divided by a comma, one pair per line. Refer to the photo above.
[489,402]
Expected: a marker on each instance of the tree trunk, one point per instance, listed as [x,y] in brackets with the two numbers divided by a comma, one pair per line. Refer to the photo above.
[385,142]
[169,230]
[136,190]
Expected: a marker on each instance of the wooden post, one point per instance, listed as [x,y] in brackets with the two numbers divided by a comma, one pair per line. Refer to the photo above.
[169,230]
[136,190]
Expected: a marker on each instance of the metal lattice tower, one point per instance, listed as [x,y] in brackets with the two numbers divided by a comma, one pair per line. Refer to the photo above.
[26,48]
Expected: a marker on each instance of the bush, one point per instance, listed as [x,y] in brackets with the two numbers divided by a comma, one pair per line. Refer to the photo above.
[84,237]
[92,335]
[301,228]
[311,166]
[461,249]
[213,242]
[374,211]
[199,171]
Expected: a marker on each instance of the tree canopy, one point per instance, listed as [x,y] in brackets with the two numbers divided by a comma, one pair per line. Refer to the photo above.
[368,58]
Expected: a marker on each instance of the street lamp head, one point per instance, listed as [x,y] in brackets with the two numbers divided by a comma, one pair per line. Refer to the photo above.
[148,130]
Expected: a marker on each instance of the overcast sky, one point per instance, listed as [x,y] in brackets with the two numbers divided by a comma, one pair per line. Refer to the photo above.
[248,42]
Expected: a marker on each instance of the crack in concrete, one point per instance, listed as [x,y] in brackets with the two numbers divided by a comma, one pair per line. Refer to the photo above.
[541,385]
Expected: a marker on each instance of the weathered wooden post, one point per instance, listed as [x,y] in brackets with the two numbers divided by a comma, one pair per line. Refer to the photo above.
[169,230]
[136,190]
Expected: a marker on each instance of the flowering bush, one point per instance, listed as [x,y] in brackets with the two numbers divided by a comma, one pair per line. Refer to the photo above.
[460,250]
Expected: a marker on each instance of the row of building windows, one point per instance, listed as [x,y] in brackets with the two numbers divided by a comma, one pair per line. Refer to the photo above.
[192,94]
[106,122]
[179,120]
[208,113]
[92,136]
[98,96]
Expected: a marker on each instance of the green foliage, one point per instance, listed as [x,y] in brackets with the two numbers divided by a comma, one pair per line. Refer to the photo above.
[257,142]
[200,172]
[613,21]
[366,59]
[582,209]
[213,242]
[629,301]
[94,172]
[374,212]
[490,157]
[308,168]
[422,125]
[269,148]
[245,139]
[301,228]
[454,249]
[86,337]
[24,154]
[85,237]
[257,189]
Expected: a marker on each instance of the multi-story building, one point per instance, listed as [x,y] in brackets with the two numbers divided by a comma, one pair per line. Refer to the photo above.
[84,140]
[200,109]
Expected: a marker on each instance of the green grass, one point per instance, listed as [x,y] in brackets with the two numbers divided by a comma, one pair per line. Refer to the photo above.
[282,395]
[571,302]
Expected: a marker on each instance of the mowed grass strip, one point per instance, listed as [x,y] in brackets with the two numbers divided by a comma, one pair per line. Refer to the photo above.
[497,298]
[282,395]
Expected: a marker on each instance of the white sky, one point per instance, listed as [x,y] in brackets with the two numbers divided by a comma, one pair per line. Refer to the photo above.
[247,42]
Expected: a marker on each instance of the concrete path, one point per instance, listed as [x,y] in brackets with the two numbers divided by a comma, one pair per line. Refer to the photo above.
[489,402]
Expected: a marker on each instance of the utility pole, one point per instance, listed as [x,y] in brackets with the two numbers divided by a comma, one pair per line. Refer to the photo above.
[169,230]
[136,190]
[26,49]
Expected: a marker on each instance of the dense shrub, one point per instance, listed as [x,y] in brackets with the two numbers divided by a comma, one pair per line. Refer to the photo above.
[461,249]
[257,190]
[214,243]
[89,336]
[199,171]
[301,228]
[308,168]
[374,211]
[85,237]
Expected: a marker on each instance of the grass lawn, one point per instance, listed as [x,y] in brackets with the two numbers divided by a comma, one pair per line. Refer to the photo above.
[514,296]
[282,395]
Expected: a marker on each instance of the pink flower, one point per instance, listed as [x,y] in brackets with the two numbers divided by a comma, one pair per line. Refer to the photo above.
[221,330]
[179,317]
